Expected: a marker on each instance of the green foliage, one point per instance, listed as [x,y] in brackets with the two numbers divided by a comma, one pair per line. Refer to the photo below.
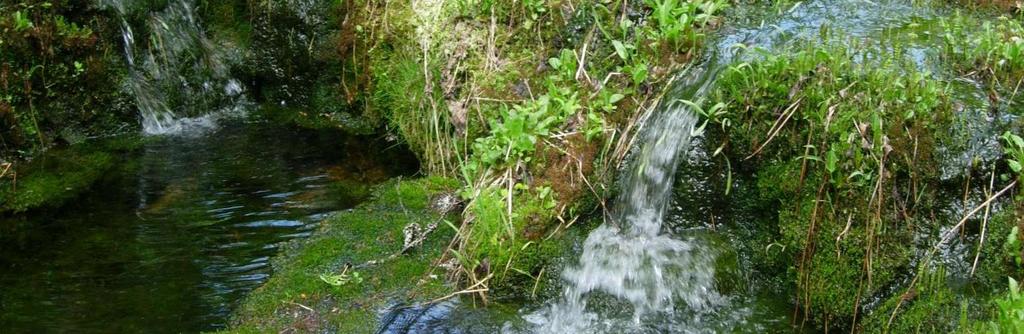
[60,76]
[1013,148]
[991,49]
[515,133]
[1009,315]
[818,123]
[71,30]
[715,114]
[493,235]
[1011,247]
[21,21]
[857,108]
[635,64]
[677,22]
[514,136]
[534,10]
[496,237]
[369,232]
[605,64]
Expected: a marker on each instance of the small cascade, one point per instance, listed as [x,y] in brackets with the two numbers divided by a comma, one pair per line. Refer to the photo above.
[629,264]
[630,258]
[178,76]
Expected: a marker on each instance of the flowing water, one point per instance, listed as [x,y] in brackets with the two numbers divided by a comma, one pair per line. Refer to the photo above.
[630,258]
[178,76]
[171,239]
[662,262]
[670,279]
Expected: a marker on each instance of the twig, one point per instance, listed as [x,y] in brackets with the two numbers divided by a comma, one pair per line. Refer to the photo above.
[536,283]
[467,290]
[849,222]
[303,306]
[984,225]
[943,240]
[960,224]
[6,167]
[777,127]
[581,70]
[459,293]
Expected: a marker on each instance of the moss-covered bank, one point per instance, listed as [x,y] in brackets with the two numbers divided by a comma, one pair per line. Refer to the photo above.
[864,156]
[56,176]
[61,71]
[299,297]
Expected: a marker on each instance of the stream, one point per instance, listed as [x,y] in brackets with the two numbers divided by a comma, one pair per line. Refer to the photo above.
[186,225]
[174,237]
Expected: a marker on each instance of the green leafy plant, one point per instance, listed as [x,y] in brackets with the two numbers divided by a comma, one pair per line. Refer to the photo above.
[565,66]
[596,125]
[1011,248]
[989,48]
[715,114]
[1009,315]
[676,21]
[635,65]
[70,29]
[1014,149]
[341,279]
[534,10]
[606,101]
[21,21]
[515,134]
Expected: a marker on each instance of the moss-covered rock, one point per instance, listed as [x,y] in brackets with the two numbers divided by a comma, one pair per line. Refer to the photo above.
[297,298]
[839,134]
[59,175]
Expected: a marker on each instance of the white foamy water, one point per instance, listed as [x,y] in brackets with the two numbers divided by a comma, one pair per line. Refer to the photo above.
[179,78]
[630,258]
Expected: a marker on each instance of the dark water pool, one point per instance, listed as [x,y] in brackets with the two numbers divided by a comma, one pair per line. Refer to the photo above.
[182,229]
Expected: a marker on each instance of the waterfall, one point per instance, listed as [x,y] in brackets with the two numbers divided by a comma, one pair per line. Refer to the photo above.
[178,76]
[629,258]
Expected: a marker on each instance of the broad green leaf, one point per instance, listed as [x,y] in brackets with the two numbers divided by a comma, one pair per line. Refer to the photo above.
[620,49]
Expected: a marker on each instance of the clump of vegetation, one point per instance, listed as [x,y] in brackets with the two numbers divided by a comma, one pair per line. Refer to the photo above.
[59,75]
[1009,315]
[337,280]
[843,140]
[990,49]
[934,309]
[531,103]
[57,176]
[532,156]
[678,23]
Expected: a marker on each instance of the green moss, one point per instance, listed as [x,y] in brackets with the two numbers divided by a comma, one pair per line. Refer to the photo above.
[60,175]
[62,69]
[851,109]
[503,244]
[996,259]
[372,231]
[228,21]
[932,307]
[50,188]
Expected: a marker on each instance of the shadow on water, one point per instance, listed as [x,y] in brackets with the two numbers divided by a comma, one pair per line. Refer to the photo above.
[175,236]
